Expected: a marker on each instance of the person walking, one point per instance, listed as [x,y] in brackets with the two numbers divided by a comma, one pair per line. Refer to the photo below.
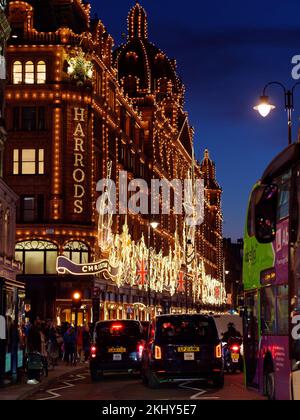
[70,346]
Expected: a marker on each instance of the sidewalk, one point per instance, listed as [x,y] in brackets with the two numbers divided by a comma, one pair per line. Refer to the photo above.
[22,391]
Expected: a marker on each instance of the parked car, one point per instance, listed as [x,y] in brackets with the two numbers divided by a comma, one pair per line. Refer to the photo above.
[118,346]
[183,347]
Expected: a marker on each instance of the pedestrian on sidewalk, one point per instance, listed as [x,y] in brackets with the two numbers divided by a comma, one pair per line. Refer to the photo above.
[70,346]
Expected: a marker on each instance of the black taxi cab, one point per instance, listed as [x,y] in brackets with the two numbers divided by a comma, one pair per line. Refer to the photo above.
[183,347]
[117,346]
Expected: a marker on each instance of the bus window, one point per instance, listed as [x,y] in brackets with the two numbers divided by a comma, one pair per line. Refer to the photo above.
[268,318]
[265,215]
[283,310]
[283,196]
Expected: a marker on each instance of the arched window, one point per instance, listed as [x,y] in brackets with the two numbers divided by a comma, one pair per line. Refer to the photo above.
[29,72]
[78,252]
[41,72]
[38,257]
[17,72]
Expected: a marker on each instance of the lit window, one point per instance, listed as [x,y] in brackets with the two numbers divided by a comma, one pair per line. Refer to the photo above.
[41,72]
[17,72]
[29,72]
[16,162]
[28,162]
[78,252]
[38,257]
[41,162]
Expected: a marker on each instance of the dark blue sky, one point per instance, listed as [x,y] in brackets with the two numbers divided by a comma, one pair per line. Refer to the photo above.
[226,51]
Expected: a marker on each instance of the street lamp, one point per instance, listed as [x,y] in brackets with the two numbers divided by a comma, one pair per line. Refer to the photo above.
[154,225]
[76,303]
[188,242]
[264,107]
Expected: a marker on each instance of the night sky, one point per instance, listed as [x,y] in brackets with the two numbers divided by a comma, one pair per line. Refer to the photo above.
[226,52]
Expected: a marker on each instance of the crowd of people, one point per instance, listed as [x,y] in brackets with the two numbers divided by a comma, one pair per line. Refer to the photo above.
[53,343]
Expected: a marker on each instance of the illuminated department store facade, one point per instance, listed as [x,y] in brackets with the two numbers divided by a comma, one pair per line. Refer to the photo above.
[74,106]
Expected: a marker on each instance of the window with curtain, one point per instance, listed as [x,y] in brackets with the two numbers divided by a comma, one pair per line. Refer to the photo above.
[17,72]
[41,72]
[29,72]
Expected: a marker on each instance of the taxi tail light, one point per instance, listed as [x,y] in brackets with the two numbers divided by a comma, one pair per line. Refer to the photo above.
[157,353]
[218,351]
[93,351]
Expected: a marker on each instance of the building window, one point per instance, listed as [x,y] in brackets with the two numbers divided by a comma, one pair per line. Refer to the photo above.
[31,209]
[29,73]
[78,252]
[38,257]
[28,162]
[41,72]
[17,72]
[28,209]
[29,118]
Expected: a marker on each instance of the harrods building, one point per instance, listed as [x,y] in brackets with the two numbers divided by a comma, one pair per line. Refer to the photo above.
[73,104]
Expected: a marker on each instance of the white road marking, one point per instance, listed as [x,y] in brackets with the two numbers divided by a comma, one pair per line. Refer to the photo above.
[195,396]
[67,384]
[198,395]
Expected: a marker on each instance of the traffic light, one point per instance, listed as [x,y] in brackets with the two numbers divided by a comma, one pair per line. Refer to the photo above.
[76,300]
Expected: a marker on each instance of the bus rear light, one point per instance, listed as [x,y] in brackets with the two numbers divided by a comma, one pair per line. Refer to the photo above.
[157,353]
[218,351]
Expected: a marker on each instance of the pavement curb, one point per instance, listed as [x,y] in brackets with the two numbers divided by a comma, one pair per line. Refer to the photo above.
[48,382]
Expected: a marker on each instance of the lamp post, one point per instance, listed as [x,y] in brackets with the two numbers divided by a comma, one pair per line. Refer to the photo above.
[76,302]
[153,225]
[188,242]
[264,106]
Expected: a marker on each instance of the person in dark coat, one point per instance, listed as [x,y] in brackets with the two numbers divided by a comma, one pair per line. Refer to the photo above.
[70,346]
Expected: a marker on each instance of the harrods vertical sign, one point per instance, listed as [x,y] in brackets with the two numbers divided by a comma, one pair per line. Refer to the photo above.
[77,189]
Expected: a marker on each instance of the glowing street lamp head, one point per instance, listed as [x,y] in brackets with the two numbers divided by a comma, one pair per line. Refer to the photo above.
[154,225]
[264,107]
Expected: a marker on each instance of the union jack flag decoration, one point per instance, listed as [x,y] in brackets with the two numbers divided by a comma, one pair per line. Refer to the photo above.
[142,273]
[181,282]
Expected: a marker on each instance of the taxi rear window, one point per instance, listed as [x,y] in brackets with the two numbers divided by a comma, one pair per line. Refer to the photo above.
[183,330]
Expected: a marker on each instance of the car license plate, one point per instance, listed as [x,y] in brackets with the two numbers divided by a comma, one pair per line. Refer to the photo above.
[185,349]
[189,356]
[235,357]
[117,357]
[116,350]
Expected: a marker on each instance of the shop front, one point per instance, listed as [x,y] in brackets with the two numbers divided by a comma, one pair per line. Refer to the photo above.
[12,314]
